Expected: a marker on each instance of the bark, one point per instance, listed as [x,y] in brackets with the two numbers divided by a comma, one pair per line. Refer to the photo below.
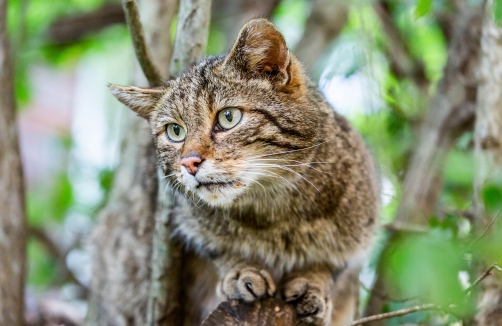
[266,312]
[12,211]
[164,306]
[123,237]
[191,34]
[451,113]
[488,155]
[233,14]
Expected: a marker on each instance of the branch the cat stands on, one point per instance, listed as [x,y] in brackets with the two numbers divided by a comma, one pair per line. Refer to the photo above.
[275,193]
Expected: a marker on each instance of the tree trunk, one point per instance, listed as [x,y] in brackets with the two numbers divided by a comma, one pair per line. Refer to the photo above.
[122,239]
[488,154]
[12,211]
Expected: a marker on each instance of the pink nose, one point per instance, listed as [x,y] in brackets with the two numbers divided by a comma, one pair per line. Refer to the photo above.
[191,163]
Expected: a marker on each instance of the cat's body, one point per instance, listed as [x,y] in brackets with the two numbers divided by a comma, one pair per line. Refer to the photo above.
[285,195]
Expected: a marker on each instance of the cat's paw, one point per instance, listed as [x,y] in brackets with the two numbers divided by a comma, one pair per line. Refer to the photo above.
[247,284]
[311,301]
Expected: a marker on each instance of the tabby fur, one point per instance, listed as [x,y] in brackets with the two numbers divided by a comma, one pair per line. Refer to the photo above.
[297,201]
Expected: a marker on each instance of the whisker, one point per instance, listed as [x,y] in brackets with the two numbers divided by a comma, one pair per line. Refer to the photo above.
[280,176]
[290,151]
[255,181]
[299,163]
[286,169]
[169,175]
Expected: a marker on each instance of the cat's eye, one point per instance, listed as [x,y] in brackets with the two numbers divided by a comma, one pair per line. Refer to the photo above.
[229,118]
[175,132]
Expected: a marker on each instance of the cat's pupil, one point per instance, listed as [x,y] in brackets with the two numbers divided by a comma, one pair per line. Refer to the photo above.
[228,115]
[176,130]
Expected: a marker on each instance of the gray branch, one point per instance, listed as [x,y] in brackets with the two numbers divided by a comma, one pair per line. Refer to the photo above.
[143,55]
[191,34]
[163,305]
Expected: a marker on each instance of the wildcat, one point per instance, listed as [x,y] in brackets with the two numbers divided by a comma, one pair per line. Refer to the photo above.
[275,193]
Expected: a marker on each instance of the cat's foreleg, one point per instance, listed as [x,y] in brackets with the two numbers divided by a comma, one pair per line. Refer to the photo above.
[244,280]
[312,293]
[321,296]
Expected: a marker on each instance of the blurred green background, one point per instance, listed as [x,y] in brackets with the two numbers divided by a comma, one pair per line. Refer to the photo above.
[71,130]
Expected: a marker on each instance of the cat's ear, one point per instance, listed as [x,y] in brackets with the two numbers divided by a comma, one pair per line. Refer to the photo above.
[140,100]
[261,49]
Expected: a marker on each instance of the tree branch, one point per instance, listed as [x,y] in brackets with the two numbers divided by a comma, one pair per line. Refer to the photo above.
[397,313]
[143,55]
[123,236]
[324,23]
[164,302]
[73,28]
[12,200]
[427,306]
[261,312]
[402,62]
[483,276]
[57,252]
[191,34]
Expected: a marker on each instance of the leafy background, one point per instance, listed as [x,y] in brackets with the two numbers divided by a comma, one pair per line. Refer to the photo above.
[71,130]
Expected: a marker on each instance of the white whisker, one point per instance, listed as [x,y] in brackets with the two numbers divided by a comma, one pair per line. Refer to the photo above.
[290,151]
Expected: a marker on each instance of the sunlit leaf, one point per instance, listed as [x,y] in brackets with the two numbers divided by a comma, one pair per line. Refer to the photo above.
[423,7]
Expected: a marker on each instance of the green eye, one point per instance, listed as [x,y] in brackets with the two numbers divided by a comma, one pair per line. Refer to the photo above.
[175,132]
[229,117]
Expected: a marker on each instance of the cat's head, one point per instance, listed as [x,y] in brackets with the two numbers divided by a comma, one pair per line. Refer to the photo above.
[235,125]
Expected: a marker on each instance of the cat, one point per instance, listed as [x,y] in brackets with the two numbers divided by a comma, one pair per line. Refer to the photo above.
[275,193]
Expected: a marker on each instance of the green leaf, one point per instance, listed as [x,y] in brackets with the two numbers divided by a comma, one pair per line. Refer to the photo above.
[497,12]
[423,7]
[425,266]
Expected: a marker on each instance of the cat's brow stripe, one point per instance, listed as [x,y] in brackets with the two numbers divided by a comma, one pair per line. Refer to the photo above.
[274,121]
[276,143]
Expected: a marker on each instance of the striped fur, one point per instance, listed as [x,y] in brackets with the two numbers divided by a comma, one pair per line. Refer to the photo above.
[300,193]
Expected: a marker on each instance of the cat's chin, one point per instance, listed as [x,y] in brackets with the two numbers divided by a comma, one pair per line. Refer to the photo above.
[221,196]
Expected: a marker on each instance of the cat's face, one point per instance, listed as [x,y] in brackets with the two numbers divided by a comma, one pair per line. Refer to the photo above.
[234,125]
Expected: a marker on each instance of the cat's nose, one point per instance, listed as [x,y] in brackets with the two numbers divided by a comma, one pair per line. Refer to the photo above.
[191,163]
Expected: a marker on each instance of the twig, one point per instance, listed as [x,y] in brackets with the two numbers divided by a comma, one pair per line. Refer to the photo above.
[143,55]
[483,276]
[427,306]
[57,252]
[397,313]
[385,296]
[486,229]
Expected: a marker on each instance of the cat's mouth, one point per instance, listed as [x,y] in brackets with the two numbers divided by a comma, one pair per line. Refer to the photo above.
[216,185]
